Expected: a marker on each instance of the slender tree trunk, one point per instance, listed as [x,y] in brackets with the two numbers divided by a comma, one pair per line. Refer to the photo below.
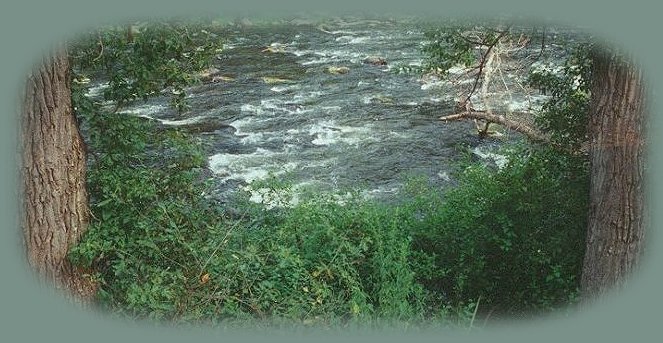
[616,226]
[54,197]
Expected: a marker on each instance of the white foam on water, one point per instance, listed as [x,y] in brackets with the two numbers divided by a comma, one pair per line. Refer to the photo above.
[97,90]
[322,60]
[344,38]
[293,132]
[400,135]
[274,107]
[329,56]
[359,40]
[433,84]
[240,124]
[373,193]
[500,160]
[307,96]
[270,198]
[546,67]
[247,167]
[251,108]
[343,32]
[531,103]
[278,45]
[300,53]
[444,176]
[283,88]
[145,110]
[457,70]
[252,138]
[328,133]
[183,121]
[328,109]
[272,104]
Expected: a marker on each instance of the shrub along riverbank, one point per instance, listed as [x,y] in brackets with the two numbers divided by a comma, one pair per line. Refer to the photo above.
[504,242]
[508,239]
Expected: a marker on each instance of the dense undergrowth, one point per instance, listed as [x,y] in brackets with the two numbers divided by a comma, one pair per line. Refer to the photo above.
[510,239]
[505,242]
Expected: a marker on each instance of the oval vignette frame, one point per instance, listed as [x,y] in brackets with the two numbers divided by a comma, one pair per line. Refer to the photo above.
[621,315]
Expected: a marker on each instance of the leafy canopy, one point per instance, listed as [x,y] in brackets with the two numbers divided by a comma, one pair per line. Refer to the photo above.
[143,61]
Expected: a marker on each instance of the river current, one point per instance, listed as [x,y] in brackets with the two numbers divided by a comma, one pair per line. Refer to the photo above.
[300,101]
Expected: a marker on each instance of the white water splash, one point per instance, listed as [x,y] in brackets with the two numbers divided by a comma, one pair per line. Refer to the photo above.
[188,121]
[281,89]
[248,167]
[328,133]
[145,111]
[500,160]
[97,90]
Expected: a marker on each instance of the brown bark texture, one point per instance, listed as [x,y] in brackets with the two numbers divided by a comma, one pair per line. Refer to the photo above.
[54,199]
[616,227]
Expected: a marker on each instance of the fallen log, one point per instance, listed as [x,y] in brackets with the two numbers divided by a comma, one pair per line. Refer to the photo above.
[500,119]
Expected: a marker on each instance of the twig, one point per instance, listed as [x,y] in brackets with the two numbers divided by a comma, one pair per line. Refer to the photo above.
[476,308]
[101,50]
[202,269]
[483,62]
[543,42]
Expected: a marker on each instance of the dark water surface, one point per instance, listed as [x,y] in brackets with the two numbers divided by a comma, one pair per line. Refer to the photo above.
[286,114]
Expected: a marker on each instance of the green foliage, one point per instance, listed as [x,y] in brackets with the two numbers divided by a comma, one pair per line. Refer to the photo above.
[565,115]
[454,44]
[446,48]
[146,212]
[323,262]
[507,241]
[514,236]
[162,250]
[159,56]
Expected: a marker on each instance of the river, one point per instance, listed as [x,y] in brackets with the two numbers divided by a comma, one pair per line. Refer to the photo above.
[288,111]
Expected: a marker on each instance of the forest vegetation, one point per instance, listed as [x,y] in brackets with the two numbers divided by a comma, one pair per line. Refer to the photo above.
[504,242]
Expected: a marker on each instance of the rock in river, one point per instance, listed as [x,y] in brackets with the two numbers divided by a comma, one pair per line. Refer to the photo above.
[375,60]
[338,70]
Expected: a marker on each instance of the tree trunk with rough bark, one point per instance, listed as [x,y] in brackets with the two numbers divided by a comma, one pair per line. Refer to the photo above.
[54,198]
[616,228]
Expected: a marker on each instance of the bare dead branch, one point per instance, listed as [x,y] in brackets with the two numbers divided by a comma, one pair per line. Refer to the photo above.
[482,63]
[101,48]
[501,119]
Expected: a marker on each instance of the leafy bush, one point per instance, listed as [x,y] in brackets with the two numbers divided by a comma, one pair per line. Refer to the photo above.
[566,114]
[145,216]
[512,237]
[138,65]
[506,241]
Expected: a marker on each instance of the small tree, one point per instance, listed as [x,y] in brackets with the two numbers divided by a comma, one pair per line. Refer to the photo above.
[609,130]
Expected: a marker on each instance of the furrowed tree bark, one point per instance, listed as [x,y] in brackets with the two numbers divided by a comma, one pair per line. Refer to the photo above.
[54,198]
[616,228]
